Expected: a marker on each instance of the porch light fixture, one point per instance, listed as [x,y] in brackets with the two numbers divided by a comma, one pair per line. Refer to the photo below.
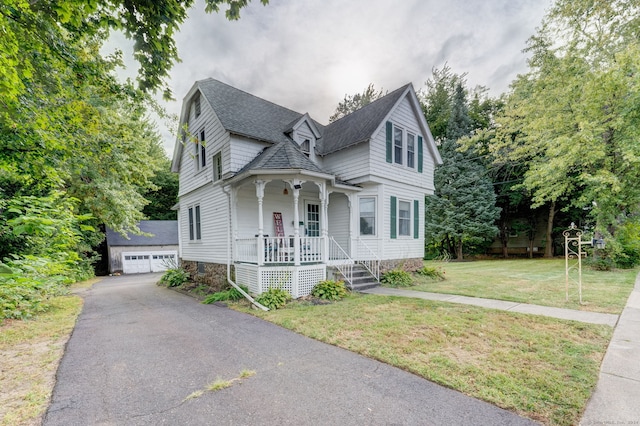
[285,191]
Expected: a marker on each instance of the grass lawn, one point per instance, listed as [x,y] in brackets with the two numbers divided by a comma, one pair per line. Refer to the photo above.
[541,368]
[536,281]
[30,352]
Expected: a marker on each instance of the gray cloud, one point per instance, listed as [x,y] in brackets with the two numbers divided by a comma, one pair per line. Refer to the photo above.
[306,55]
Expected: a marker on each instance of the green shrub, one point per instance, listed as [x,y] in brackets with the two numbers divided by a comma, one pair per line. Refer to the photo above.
[175,277]
[431,272]
[229,294]
[628,236]
[329,290]
[274,298]
[397,278]
[24,291]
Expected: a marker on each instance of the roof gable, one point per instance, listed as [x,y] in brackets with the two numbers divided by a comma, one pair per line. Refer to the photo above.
[282,156]
[360,125]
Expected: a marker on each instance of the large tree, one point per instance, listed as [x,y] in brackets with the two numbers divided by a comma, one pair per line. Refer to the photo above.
[462,210]
[573,119]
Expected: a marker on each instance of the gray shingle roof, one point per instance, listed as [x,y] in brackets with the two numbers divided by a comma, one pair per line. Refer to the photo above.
[358,126]
[283,155]
[165,233]
[245,114]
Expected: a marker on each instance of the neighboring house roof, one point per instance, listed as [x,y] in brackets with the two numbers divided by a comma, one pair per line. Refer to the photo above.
[245,114]
[165,233]
[358,126]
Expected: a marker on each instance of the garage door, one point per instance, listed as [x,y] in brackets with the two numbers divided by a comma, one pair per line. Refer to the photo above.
[162,261]
[136,263]
[152,261]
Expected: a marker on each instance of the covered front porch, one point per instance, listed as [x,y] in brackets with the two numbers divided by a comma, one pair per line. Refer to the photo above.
[288,228]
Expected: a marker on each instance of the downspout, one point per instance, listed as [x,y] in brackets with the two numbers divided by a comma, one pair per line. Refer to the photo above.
[229,280]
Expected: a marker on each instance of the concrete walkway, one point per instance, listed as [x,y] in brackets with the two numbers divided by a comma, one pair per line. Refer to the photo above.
[617,396]
[523,308]
[616,399]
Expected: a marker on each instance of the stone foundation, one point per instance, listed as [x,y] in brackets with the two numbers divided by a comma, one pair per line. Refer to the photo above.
[408,265]
[214,276]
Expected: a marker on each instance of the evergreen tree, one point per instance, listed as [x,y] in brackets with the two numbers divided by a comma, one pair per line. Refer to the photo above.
[463,209]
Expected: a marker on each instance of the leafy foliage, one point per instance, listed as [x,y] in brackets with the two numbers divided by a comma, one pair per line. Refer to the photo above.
[274,298]
[174,277]
[396,278]
[229,294]
[330,290]
[432,272]
[573,118]
[463,209]
[28,283]
[352,103]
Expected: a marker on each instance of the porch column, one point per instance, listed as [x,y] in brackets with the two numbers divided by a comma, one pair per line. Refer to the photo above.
[260,184]
[351,201]
[324,205]
[296,184]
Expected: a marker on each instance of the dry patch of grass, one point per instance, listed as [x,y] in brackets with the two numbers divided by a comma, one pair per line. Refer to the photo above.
[30,352]
[220,384]
[542,368]
[536,281]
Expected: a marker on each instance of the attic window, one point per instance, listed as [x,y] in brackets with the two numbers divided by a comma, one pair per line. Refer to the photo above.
[196,102]
[305,147]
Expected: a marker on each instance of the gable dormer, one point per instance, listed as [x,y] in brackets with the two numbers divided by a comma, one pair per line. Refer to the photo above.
[305,133]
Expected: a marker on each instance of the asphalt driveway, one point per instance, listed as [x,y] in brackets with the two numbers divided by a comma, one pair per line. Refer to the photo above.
[138,350]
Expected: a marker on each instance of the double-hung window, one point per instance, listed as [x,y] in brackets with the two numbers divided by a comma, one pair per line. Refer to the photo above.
[404,218]
[217,166]
[367,216]
[397,145]
[411,150]
[195,229]
[200,154]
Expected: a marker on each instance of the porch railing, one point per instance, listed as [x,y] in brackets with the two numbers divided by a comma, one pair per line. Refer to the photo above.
[341,260]
[278,250]
[368,258]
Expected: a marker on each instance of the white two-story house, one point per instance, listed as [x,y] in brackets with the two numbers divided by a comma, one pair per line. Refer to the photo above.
[279,199]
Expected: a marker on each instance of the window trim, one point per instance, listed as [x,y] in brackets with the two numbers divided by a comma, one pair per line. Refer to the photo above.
[411,150]
[194,216]
[217,166]
[360,217]
[398,157]
[404,220]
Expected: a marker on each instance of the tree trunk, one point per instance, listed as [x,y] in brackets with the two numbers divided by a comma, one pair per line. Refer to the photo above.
[504,239]
[459,250]
[548,249]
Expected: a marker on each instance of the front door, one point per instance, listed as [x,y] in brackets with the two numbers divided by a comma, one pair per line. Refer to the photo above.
[312,218]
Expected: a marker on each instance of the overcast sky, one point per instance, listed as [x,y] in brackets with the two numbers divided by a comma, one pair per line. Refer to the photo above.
[307,54]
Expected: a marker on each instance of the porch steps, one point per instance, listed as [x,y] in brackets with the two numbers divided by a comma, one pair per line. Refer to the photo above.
[362,279]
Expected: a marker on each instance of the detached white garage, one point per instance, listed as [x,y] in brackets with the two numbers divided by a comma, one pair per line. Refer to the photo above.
[139,254]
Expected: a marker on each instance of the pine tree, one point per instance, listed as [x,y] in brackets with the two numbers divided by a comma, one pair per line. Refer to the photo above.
[463,209]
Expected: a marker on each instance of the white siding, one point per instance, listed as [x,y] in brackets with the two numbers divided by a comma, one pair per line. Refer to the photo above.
[214,222]
[215,137]
[401,247]
[242,151]
[350,163]
[404,117]
[304,132]
[339,219]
